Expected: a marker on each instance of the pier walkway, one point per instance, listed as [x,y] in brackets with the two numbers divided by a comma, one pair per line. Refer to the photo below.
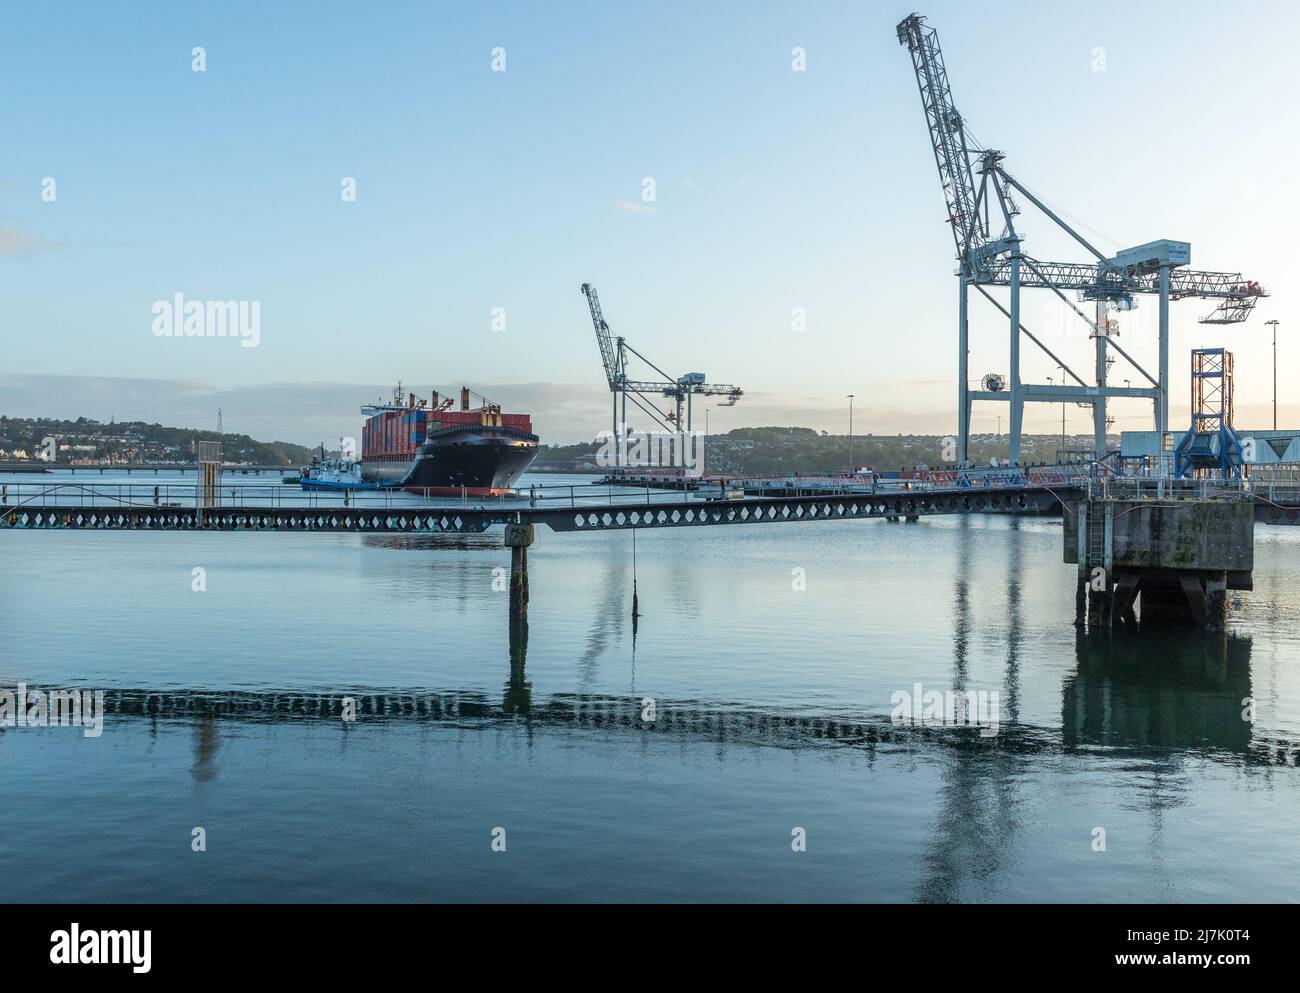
[76,506]
[578,508]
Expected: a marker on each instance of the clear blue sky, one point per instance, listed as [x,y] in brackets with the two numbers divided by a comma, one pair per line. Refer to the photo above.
[478,189]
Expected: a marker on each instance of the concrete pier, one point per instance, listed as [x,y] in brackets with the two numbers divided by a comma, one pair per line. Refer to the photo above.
[1173,559]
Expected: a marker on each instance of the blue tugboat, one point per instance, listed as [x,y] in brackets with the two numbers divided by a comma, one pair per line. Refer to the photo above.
[336,474]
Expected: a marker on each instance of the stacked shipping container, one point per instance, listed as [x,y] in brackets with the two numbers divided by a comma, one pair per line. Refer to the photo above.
[397,434]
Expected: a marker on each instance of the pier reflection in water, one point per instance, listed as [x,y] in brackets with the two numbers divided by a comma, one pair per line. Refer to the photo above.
[1161,690]
[1116,699]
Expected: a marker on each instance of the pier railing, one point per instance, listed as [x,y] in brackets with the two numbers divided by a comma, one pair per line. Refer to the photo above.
[266,496]
[1278,492]
[278,496]
[272,496]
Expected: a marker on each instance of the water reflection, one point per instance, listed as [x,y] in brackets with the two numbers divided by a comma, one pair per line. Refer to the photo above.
[606,621]
[457,581]
[1166,690]
[1165,695]
[961,608]
[1119,698]
[437,541]
[1157,700]
[518,697]
[1015,626]
[206,743]
[976,820]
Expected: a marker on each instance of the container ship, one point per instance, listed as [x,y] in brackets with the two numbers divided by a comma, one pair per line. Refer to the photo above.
[425,445]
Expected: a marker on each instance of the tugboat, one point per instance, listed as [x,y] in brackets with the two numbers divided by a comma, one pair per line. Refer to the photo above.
[423,445]
[333,474]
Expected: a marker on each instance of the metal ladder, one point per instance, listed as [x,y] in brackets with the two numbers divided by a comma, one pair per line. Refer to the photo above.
[1096,540]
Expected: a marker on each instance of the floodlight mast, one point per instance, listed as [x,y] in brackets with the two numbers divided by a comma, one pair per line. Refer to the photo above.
[972,177]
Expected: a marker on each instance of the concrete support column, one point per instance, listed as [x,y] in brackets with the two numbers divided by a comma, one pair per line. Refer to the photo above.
[1125,593]
[1215,602]
[1094,607]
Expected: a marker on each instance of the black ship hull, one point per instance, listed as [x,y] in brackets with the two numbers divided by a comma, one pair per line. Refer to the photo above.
[476,461]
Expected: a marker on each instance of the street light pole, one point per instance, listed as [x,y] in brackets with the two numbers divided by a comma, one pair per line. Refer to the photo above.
[850,434]
[1052,382]
[706,439]
[1274,324]
[1062,411]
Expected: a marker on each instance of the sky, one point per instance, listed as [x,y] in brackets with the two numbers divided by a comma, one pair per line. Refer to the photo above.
[485,198]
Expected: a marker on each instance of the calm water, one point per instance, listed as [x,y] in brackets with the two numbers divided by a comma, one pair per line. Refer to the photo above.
[773,712]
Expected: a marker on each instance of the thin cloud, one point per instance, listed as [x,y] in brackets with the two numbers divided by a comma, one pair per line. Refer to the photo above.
[635,208]
[14,243]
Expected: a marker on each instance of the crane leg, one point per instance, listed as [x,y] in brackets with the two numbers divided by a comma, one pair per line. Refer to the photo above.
[1162,415]
[1017,396]
[1099,403]
[963,374]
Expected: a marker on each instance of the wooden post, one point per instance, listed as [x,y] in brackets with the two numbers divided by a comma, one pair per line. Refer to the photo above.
[518,538]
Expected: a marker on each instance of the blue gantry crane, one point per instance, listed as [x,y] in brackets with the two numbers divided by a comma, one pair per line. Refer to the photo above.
[978,192]
[1211,445]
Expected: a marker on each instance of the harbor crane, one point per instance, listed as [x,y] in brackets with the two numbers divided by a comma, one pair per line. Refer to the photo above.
[614,352]
[978,192]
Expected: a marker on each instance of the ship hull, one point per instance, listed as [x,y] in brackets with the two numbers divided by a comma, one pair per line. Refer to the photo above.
[479,461]
[336,484]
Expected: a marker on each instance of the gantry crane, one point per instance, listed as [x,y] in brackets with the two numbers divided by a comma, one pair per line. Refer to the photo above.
[972,177]
[1211,445]
[614,354]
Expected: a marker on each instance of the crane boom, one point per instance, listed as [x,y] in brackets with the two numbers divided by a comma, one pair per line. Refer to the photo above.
[988,260]
[947,135]
[608,354]
[1109,281]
